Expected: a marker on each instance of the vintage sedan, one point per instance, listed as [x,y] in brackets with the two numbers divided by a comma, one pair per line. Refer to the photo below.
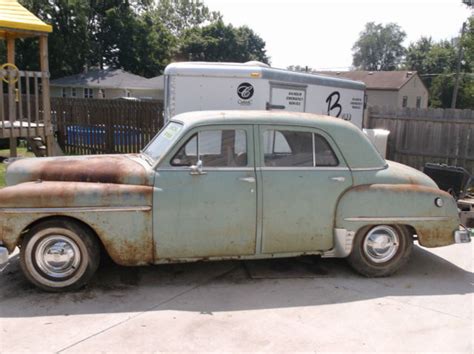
[223,185]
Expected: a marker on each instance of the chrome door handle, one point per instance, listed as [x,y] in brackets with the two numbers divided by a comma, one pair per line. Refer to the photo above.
[338,179]
[247,179]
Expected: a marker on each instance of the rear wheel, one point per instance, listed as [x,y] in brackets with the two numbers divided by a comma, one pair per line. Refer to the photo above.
[380,250]
[59,255]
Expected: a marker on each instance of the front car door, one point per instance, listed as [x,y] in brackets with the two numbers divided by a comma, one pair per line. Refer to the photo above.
[303,175]
[208,212]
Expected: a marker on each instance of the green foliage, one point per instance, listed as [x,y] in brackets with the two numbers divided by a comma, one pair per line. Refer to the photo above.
[220,42]
[379,47]
[136,35]
[181,15]
[436,64]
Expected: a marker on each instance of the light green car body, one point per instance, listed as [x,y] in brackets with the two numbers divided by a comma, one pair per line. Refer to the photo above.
[145,213]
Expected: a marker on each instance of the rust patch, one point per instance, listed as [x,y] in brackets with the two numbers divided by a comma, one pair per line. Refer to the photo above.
[399,188]
[74,194]
[435,236]
[119,169]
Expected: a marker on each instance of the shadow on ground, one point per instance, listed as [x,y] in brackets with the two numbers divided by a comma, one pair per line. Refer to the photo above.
[209,287]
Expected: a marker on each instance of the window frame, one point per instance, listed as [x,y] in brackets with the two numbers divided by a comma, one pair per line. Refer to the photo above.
[165,163]
[342,165]
[404,101]
[88,92]
[418,102]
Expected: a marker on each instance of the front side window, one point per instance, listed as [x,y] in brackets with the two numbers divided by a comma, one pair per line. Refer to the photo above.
[405,101]
[215,148]
[286,148]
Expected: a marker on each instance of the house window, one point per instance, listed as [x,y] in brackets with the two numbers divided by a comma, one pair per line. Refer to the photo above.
[73,92]
[63,92]
[405,101]
[418,102]
[88,93]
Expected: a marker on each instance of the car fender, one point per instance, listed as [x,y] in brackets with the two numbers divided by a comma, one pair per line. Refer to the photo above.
[119,214]
[401,204]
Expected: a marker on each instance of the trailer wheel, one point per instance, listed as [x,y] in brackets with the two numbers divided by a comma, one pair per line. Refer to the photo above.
[380,250]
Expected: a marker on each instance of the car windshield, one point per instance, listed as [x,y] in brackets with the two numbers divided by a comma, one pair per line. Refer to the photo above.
[163,140]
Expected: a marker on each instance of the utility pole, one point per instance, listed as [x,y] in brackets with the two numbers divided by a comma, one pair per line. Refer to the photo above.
[458,67]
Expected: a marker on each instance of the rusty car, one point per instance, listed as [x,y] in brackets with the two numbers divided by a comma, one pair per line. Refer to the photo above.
[221,185]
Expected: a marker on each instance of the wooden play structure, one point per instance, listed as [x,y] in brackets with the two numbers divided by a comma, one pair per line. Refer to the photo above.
[25,109]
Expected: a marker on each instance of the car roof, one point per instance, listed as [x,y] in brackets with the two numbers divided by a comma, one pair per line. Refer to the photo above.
[356,148]
[259,117]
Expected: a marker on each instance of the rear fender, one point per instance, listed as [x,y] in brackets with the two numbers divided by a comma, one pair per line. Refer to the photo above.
[400,204]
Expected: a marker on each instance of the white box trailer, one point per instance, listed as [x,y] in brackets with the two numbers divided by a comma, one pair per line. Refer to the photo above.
[197,86]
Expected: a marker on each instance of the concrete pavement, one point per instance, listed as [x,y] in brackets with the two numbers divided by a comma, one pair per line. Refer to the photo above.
[216,306]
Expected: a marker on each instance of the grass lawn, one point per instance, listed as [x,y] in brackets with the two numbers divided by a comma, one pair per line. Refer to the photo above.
[21,152]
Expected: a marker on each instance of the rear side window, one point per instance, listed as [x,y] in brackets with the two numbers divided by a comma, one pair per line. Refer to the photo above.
[324,155]
[285,148]
[288,148]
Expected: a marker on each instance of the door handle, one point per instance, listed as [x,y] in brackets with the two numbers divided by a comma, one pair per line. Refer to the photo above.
[247,179]
[338,179]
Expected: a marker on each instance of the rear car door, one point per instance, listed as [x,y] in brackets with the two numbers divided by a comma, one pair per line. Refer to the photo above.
[303,175]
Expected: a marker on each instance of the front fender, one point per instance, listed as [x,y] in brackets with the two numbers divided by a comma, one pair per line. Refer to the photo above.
[403,204]
[119,214]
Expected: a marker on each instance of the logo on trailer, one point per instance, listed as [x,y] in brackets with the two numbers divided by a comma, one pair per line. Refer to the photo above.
[245,91]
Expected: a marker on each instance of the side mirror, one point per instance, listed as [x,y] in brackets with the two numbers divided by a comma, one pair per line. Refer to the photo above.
[197,169]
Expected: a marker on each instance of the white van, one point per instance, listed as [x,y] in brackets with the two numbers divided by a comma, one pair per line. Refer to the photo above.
[197,86]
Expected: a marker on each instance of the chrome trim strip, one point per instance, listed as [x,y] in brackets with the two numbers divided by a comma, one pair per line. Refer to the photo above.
[74,209]
[207,169]
[370,168]
[400,218]
[306,168]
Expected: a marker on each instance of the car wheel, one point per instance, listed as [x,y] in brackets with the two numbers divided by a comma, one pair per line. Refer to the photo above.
[59,255]
[380,250]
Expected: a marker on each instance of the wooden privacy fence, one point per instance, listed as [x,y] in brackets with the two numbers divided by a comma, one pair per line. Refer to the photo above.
[418,136]
[89,126]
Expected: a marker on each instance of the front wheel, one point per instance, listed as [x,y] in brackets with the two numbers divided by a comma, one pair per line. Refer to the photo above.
[59,255]
[380,250]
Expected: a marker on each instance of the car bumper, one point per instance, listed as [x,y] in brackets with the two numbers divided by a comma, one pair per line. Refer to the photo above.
[3,255]
[462,236]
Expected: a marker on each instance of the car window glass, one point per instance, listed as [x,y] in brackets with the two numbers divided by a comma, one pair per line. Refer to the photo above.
[216,148]
[325,156]
[285,148]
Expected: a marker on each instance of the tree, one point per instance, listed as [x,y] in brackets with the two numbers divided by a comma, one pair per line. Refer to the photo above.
[220,42]
[436,64]
[379,47]
[181,15]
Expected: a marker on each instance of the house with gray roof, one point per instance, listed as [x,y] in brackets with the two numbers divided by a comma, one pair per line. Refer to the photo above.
[109,84]
[389,88]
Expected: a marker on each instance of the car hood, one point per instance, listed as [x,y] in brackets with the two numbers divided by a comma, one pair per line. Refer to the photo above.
[119,169]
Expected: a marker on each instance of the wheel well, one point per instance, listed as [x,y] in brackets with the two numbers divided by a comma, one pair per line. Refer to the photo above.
[65,218]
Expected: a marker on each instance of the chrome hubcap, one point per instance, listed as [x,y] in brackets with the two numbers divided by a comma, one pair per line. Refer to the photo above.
[57,256]
[381,244]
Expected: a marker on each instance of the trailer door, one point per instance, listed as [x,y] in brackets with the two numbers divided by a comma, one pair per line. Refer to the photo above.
[288,97]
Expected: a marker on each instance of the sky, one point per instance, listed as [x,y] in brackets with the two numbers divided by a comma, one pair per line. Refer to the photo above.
[320,33]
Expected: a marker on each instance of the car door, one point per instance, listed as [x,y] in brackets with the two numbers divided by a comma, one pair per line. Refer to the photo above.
[303,174]
[205,198]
